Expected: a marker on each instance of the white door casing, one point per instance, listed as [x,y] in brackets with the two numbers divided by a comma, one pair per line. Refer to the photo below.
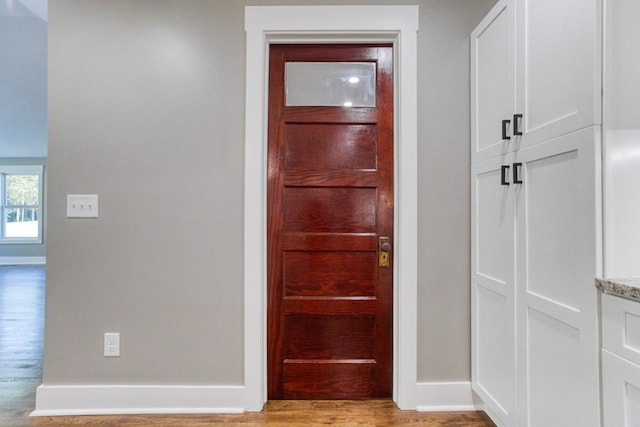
[267,25]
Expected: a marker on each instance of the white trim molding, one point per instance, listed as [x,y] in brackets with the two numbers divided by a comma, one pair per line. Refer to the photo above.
[22,260]
[53,400]
[446,396]
[266,25]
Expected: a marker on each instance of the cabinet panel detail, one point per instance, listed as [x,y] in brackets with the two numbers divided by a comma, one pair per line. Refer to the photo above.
[632,332]
[535,66]
[492,71]
[495,369]
[552,70]
[621,327]
[493,290]
[632,403]
[546,367]
[553,234]
[558,70]
[494,247]
[620,391]
[557,260]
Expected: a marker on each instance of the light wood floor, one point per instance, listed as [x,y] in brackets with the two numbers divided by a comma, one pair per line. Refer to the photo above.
[299,413]
[21,343]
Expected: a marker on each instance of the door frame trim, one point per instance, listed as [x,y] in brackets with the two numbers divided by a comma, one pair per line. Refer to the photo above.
[265,25]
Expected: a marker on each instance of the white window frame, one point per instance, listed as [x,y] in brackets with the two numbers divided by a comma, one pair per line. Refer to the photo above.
[20,170]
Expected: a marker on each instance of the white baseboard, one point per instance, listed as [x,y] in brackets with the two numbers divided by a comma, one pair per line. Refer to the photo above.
[445,396]
[122,399]
[54,400]
[22,260]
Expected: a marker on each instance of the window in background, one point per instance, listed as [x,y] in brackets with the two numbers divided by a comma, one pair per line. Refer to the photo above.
[21,204]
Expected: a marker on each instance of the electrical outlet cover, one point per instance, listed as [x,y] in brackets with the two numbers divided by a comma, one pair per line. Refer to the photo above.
[111,344]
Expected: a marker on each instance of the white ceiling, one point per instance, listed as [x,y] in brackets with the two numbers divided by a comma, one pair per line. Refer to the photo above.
[23,78]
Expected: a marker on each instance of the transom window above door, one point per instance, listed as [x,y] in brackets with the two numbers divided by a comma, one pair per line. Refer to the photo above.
[332,84]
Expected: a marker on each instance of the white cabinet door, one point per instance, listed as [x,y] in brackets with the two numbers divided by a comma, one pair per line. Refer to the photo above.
[540,59]
[493,292]
[620,391]
[492,81]
[536,244]
[558,68]
[559,255]
[620,320]
[620,361]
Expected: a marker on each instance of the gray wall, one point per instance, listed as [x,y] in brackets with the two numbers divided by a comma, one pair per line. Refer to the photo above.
[146,110]
[444,188]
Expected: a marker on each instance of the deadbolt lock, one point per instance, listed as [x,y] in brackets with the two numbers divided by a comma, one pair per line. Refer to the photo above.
[384,247]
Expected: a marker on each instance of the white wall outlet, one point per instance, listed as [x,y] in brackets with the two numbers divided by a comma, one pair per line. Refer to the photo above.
[82,206]
[112,344]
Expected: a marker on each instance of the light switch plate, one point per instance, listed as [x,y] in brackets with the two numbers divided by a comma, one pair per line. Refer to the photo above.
[82,206]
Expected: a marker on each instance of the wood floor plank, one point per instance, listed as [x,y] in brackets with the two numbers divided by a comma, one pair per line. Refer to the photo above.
[22,291]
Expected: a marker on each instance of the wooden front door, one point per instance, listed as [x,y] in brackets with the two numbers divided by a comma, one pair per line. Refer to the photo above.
[330,208]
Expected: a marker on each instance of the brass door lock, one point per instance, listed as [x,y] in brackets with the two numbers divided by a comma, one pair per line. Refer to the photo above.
[384,247]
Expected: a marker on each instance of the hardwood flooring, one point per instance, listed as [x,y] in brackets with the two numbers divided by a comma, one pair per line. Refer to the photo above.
[21,340]
[22,293]
[297,413]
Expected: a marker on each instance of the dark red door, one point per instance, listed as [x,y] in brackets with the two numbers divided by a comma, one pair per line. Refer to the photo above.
[330,208]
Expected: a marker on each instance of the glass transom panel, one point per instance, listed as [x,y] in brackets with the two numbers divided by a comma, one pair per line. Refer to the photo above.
[337,84]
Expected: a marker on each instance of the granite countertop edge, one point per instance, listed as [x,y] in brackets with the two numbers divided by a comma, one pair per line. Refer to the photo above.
[628,287]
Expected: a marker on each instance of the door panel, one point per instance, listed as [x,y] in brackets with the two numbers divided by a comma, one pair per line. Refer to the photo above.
[330,146]
[330,199]
[341,336]
[333,380]
[328,273]
[330,210]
